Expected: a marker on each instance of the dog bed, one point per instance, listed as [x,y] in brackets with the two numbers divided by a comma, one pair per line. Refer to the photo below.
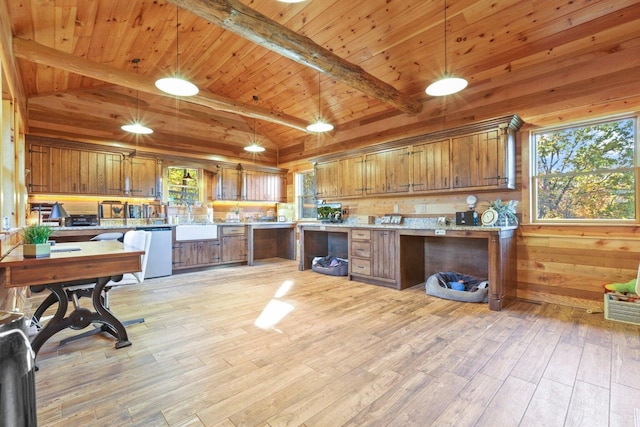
[330,265]
[475,289]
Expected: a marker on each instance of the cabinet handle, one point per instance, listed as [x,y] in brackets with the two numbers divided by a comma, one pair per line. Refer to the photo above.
[360,266]
[498,178]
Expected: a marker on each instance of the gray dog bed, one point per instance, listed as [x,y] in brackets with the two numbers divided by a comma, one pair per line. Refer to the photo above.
[476,289]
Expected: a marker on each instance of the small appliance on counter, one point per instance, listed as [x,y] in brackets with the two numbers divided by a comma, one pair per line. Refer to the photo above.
[82,220]
[468,218]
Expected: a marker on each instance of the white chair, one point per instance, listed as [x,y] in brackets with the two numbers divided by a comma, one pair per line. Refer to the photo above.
[108,236]
[138,239]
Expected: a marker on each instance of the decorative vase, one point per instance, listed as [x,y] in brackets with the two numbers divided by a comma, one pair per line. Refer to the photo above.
[505,221]
[38,250]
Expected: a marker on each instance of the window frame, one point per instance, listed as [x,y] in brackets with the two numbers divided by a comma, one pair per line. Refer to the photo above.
[299,177]
[534,176]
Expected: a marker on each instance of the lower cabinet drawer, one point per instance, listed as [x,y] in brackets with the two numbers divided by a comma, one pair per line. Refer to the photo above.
[362,249]
[360,266]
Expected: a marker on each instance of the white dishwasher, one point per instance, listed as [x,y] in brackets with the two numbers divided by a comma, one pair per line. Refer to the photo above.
[159,260]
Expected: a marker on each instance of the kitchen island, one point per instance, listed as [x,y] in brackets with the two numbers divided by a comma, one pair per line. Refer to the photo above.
[401,256]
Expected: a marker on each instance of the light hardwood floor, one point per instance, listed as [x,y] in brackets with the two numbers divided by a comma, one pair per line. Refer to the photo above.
[331,352]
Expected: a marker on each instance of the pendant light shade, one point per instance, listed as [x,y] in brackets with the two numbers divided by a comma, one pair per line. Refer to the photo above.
[175,85]
[137,127]
[447,85]
[254,148]
[320,125]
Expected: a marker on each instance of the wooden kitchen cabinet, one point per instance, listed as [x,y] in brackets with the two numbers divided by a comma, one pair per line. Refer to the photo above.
[373,256]
[327,179]
[71,171]
[479,156]
[264,186]
[185,255]
[39,176]
[233,243]
[65,170]
[387,172]
[431,166]
[483,160]
[351,176]
[229,183]
[200,253]
[209,252]
[143,177]
[101,173]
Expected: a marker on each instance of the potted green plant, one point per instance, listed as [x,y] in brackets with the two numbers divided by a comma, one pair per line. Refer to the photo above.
[506,212]
[36,241]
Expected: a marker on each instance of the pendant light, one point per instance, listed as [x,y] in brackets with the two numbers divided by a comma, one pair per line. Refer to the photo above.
[136,126]
[447,85]
[320,125]
[175,85]
[254,147]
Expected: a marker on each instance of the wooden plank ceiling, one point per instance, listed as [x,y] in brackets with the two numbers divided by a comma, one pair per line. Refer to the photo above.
[546,60]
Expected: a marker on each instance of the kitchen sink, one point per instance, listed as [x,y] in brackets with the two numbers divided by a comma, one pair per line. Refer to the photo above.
[196,232]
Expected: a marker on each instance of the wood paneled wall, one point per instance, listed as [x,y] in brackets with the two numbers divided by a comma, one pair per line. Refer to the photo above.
[568,265]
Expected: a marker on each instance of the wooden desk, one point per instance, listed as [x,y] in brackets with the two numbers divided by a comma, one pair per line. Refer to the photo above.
[271,239]
[104,261]
[408,256]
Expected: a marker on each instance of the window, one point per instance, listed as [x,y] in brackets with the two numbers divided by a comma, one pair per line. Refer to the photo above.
[586,172]
[306,195]
[183,186]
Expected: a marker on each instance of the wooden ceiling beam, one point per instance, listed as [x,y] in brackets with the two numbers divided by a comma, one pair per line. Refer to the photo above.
[257,28]
[34,52]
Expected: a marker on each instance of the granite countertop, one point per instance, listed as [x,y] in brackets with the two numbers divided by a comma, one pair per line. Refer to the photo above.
[417,225]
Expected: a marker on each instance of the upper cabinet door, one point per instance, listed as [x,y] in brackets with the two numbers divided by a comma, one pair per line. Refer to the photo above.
[40,169]
[229,183]
[327,178]
[483,160]
[431,166]
[143,177]
[65,171]
[387,172]
[351,176]
[264,186]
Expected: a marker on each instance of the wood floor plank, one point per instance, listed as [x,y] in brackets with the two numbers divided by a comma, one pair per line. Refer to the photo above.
[548,405]
[508,404]
[595,365]
[589,406]
[273,346]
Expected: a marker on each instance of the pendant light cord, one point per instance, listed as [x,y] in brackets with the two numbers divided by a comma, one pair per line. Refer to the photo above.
[446,71]
[178,43]
[319,110]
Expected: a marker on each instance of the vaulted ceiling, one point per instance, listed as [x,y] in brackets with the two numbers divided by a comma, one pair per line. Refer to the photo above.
[268,68]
